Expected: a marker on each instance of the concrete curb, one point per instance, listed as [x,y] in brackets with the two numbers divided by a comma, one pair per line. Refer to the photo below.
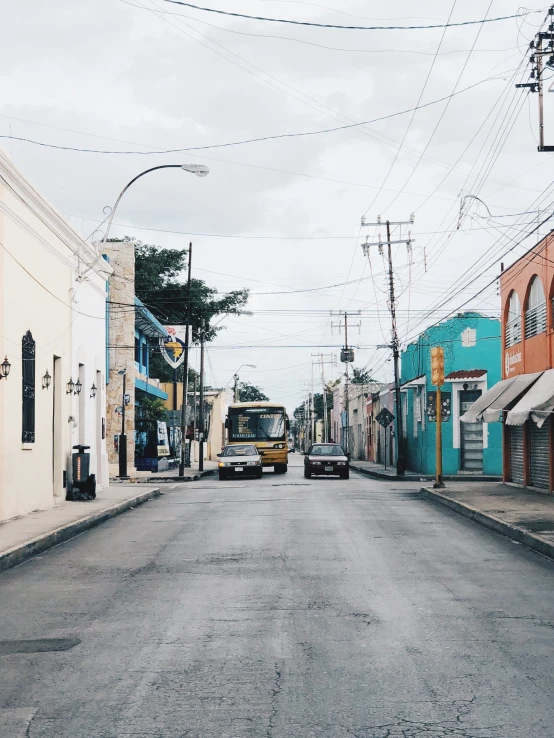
[166,480]
[423,477]
[532,541]
[18,554]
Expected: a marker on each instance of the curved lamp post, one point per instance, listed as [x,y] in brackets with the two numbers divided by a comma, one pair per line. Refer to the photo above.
[236,378]
[199,169]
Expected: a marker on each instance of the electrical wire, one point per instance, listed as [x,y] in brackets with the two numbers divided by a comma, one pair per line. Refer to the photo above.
[347,28]
[259,139]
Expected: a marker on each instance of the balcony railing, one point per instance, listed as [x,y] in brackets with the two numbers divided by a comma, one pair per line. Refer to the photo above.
[513,332]
[535,321]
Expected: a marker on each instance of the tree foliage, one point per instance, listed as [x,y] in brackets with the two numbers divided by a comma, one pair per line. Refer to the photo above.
[160,283]
[250,393]
[360,376]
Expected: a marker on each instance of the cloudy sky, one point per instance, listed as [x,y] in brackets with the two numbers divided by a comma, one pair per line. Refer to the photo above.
[282,217]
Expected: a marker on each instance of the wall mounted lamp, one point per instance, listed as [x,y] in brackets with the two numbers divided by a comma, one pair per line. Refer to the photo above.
[70,387]
[93,390]
[78,387]
[5,367]
[46,380]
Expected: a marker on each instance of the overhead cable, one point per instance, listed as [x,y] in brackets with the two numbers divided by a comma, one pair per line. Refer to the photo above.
[348,28]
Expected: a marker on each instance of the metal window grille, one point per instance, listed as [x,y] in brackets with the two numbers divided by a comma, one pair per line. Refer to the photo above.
[513,332]
[535,321]
[28,394]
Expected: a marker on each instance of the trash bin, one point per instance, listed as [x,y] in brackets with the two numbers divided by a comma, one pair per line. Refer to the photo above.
[81,464]
[84,483]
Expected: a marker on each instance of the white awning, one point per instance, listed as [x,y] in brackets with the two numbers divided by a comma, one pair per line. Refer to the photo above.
[537,402]
[490,405]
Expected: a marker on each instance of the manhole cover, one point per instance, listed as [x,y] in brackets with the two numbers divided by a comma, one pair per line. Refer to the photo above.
[38,646]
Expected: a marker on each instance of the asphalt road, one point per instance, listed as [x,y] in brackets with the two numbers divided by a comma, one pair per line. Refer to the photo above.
[280,608]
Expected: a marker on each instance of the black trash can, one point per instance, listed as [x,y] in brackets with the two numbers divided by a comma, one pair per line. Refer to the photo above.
[84,483]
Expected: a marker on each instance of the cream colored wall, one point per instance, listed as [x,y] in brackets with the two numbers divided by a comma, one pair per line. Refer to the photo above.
[40,258]
[35,296]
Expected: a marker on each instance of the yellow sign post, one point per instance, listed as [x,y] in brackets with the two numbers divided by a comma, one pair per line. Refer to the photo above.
[437,378]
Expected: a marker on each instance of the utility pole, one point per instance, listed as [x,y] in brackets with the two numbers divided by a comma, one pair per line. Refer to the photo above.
[184,462]
[330,360]
[201,416]
[538,54]
[123,437]
[347,357]
[236,388]
[400,458]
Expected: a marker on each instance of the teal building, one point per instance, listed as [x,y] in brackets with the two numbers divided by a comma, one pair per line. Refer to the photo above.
[472,364]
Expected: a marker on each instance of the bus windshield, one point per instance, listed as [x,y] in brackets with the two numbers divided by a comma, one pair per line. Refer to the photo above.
[256,424]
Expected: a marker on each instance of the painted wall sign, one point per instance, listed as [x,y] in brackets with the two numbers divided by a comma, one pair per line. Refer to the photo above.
[510,361]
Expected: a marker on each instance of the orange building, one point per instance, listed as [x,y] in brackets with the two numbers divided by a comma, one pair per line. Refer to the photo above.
[524,400]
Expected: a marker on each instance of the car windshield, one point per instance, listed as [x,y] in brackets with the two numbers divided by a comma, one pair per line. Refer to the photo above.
[240,451]
[326,450]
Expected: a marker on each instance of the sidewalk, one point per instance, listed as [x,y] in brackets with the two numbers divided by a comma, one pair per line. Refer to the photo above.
[30,534]
[520,514]
[378,471]
[170,475]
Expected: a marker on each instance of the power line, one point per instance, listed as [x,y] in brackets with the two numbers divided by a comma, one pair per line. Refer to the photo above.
[348,28]
[259,139]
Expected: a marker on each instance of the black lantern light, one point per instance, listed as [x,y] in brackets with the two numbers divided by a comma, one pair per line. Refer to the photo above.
[70,386]
[5,366]
[93,391]
[46,380]
[78,387]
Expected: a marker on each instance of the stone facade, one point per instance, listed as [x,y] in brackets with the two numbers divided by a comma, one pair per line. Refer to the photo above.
[121,342]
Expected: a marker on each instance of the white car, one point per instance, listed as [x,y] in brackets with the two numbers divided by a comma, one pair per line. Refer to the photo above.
[240,460]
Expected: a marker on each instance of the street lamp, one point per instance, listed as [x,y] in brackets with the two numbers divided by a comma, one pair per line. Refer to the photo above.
[236,378]
[199,169]
[123,437]
[5,367]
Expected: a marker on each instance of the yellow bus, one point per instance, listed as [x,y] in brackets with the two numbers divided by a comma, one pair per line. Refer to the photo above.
[264,424]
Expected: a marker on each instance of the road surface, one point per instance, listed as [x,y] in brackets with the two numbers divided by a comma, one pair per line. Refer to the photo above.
[280,608]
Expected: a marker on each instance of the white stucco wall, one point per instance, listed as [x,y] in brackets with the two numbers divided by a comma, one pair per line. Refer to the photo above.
[38,261]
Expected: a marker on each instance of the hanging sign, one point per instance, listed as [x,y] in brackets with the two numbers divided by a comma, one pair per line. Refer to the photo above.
[173,347]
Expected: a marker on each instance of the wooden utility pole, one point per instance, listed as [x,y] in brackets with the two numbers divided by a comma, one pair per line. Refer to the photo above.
[183,461]
[201,415]
[347,357]
[395,345]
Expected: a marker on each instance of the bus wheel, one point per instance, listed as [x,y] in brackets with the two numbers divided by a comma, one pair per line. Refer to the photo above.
[280,468]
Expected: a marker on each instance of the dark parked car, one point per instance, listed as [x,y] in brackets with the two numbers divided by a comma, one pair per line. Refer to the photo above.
[326,458]
[240,460]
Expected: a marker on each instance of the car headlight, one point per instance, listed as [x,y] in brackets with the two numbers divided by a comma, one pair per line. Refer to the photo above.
[252,463]
[316,463]
[341,463]
[279,445]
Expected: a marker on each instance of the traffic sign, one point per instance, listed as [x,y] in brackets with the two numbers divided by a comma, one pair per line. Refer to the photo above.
[385,417]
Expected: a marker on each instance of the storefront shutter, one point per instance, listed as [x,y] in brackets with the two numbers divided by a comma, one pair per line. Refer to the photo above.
[516,453]
[539,465]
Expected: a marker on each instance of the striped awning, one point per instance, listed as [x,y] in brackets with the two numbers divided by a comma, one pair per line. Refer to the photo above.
[537,402]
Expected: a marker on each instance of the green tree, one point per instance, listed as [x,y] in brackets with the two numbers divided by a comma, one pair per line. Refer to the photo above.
[360,376]
[150,411]
[250,393]
[161,284]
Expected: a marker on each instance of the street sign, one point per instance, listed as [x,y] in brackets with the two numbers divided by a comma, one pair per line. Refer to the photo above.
[384,417]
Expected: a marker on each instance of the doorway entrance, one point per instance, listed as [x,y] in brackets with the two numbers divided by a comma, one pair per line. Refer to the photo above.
[471,436]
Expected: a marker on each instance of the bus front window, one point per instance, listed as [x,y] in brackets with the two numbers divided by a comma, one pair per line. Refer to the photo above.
[272,426]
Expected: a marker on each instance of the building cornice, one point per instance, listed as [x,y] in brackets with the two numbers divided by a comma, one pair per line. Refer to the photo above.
[48,215]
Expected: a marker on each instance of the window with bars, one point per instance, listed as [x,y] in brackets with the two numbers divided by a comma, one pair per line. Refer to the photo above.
[513,324]
[535,315]
[28,393]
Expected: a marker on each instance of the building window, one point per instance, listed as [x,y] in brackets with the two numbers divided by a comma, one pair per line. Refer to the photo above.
[137,349]
[28,394]
[469,337]
[513,324]
[145,355]
[535,315]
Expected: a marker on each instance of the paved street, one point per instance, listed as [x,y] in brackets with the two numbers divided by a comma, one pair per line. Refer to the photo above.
[280,608]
